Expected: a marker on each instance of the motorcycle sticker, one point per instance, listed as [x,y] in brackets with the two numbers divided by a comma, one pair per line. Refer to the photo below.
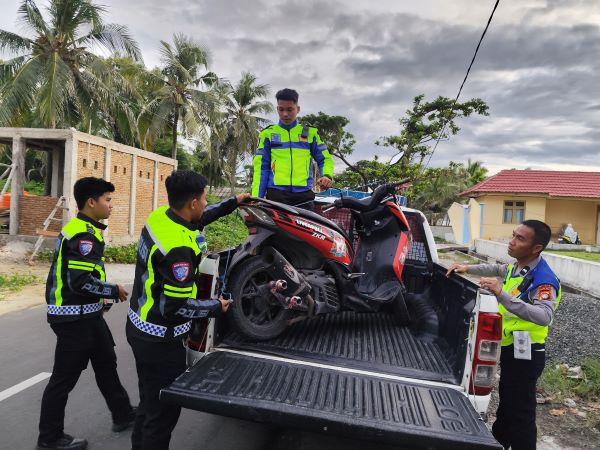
[339,246]
[310,225]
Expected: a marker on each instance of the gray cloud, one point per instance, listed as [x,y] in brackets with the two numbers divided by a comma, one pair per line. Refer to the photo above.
[537,68]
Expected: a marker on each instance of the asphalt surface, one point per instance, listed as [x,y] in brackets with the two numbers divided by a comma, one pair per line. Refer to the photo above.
[27,349]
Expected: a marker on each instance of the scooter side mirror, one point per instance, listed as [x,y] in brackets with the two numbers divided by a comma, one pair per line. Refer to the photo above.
[396,158]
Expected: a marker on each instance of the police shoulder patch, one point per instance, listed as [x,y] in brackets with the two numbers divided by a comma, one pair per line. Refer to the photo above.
[545,292]
[181,270]
[85,247]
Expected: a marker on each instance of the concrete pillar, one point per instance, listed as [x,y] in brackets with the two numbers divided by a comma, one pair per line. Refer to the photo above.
[133,195]
[155,187]
[17,183]
[466,225]
[55,156]
[107,164]
[481,210]
[70,176]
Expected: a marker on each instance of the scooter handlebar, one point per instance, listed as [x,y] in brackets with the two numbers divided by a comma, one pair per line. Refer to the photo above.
[369,203]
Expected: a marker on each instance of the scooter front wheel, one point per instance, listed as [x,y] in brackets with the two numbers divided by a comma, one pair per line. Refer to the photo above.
[255,313]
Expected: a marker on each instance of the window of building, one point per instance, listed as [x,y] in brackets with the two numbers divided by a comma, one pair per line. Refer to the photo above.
[95,164]
[514,212]
[84,162]
[124,171]
[115,169]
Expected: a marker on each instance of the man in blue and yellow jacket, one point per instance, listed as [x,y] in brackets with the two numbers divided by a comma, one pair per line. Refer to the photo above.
[282,164]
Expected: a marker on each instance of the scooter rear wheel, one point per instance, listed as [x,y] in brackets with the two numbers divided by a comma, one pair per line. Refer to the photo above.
[255,313]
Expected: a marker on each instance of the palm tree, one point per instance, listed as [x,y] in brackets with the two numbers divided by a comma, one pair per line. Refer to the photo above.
[54,75]
[476,173]
[180,98]
[243,105]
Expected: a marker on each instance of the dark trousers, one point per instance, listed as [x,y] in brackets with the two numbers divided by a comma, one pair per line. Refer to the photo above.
[515,419]
[303,200]
[77,343]
[157,364]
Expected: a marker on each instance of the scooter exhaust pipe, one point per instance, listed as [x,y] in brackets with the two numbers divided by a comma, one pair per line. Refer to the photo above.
[288,281]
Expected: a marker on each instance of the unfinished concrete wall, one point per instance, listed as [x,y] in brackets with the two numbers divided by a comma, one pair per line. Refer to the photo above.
[90,161]
[144,192]
[120,176]
[138,177]
[33,211]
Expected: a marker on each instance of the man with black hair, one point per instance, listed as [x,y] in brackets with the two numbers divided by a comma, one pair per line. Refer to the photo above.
[282,164]
[164,299]
[75,293]
[527,298]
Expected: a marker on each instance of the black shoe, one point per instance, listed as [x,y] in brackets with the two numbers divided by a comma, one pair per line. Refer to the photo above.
[125,423]
[66,442]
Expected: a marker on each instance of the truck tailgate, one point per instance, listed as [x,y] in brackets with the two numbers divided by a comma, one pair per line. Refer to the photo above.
[317,398]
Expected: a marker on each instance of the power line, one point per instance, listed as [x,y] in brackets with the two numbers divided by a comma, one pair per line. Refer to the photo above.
[463,83]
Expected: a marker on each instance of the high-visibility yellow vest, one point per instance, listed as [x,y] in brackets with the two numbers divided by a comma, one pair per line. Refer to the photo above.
[542,274]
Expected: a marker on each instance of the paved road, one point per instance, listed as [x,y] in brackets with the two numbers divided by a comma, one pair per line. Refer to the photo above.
[26,349]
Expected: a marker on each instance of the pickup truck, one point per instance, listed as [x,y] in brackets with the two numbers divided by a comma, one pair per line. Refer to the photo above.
[426,385]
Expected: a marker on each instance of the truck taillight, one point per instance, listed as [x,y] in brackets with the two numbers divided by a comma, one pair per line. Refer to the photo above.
[487,353]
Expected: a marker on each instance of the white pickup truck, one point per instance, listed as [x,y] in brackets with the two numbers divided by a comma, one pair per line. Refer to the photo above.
[426,385]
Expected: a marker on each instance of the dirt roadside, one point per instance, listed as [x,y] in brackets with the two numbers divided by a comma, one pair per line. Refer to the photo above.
[30,295]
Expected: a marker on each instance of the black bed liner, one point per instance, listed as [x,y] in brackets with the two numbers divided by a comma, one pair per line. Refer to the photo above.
[325,400]
[369,341]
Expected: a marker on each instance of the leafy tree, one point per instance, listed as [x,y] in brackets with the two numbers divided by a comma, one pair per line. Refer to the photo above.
[428,121]
[244,103]
[475,171]
[340,142]
[54,80]
[180,100]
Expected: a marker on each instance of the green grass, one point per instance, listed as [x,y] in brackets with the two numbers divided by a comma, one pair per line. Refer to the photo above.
[579,254]
[555,383]
[14,283]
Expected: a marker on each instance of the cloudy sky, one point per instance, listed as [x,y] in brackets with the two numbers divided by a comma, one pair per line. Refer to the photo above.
[538,68]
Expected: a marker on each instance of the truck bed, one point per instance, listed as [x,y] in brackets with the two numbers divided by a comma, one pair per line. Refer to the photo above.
[365,341]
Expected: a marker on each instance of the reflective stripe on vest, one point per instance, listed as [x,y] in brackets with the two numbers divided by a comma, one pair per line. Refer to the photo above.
[511,322]
[74,310]
[156,330]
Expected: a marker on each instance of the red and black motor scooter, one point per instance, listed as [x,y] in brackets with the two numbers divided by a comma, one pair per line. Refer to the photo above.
[298,264]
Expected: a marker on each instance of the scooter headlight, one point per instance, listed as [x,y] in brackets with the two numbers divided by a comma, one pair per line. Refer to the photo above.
[251,214]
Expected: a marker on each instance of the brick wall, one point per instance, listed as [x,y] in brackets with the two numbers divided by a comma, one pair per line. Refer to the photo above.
[164,170]
[90,161]
[120,176]
[144,192]
[33,210]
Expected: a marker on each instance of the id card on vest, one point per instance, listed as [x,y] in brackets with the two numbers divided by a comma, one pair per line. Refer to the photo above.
[522,345]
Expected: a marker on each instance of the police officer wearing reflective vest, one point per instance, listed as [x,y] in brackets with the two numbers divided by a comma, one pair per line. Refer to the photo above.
[527,297]
[164,300]
[75,293]
[282,164]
